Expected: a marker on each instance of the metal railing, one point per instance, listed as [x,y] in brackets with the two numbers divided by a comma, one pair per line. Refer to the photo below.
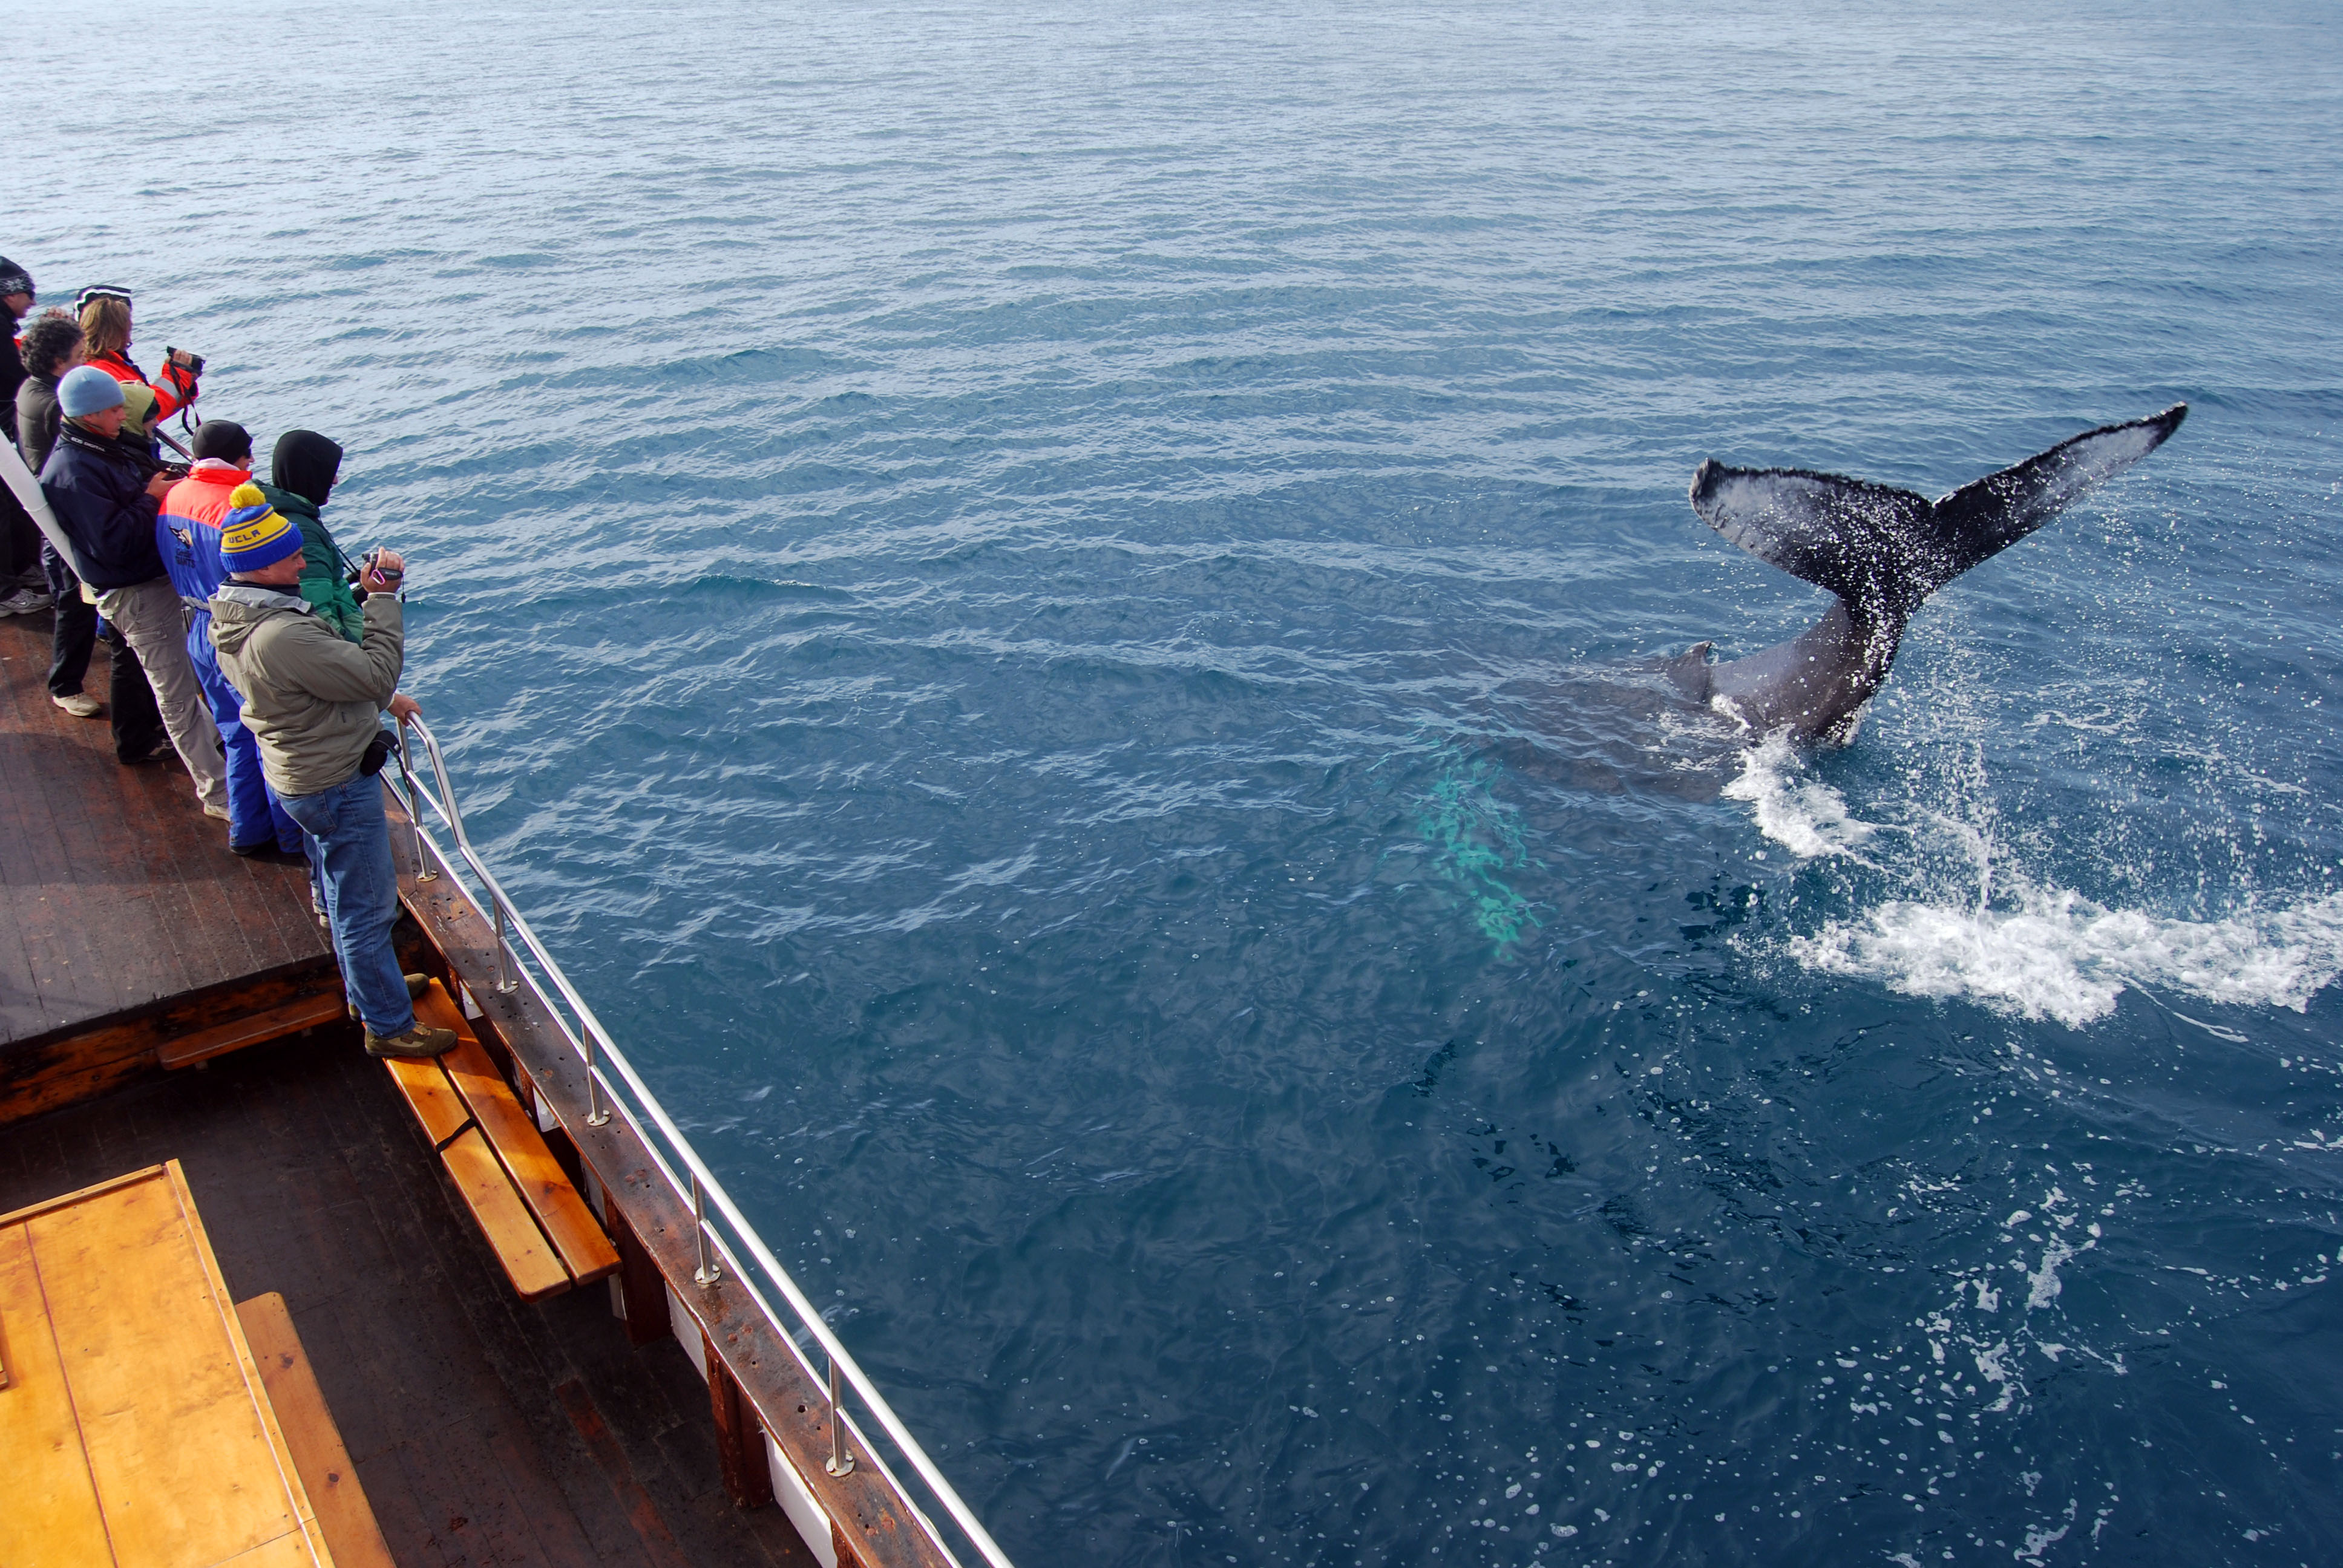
[526,962]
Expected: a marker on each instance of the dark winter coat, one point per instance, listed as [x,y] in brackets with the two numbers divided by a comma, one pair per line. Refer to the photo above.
[12,376]
[98,492]
[303,468]
[37,418]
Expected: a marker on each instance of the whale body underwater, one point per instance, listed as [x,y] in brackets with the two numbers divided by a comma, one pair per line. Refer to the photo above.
[1881,552]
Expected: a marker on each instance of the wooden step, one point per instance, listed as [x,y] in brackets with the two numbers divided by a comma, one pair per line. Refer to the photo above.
[540,1229]
[339,1502]
[255,1028]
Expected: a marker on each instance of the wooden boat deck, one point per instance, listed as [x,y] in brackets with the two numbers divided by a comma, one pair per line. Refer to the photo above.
[116,893]
[484,1429]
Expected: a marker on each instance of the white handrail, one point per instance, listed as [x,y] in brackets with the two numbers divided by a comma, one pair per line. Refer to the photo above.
[603,1049]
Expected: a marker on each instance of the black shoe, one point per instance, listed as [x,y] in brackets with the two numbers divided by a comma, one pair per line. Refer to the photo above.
[161,751]
[266,852]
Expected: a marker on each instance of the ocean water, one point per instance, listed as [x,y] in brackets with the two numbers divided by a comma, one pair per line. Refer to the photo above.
[1042,603]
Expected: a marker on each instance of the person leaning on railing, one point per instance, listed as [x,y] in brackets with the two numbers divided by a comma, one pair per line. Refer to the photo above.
[314,702]
[107,499]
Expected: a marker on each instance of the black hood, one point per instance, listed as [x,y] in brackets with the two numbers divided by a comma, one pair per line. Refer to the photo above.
[306,464]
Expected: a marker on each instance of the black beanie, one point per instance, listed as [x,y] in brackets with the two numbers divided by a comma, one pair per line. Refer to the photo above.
[222,439]
[15,280]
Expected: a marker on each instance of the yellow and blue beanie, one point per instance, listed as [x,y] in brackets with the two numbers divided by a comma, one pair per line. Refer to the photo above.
[254,535]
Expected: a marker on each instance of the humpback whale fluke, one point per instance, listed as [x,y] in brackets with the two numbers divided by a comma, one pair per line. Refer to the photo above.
[1881,551]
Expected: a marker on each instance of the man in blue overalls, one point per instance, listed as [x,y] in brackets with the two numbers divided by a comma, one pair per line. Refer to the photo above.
[187,534]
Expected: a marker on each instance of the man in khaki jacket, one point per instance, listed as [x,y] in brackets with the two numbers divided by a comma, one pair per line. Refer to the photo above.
[312,701]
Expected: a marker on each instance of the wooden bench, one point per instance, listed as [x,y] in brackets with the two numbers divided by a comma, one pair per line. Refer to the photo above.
[200,1046]
[539,1228]
[135,1427]
[335,1497]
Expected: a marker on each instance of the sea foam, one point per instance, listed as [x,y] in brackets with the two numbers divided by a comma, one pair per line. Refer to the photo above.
[2028,950]
[2057,954]
[1804,816]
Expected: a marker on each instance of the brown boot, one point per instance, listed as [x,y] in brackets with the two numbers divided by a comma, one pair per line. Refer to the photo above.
[420,1041]
[416,986]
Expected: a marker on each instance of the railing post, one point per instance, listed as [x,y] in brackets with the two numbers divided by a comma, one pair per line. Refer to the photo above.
[709,1269]
[596,1113]
[424,871]
[505,981]
[841,1462]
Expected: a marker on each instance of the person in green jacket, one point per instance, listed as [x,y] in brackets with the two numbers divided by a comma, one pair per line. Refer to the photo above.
[303,468]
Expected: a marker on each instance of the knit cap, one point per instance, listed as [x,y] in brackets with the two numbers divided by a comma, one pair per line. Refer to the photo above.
[255,536]
[223,438]
[86,389]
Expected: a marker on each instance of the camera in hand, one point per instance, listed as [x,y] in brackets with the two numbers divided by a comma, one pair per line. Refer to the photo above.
[175,472]
[391,576]
[193,364]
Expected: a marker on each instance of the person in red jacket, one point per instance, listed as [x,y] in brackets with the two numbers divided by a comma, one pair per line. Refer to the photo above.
[187,536]
[105,336]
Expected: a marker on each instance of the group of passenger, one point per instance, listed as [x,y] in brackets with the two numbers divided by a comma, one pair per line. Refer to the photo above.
[243,643]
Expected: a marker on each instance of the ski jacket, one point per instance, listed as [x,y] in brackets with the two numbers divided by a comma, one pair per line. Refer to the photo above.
[187,533]
[149,403]
[311,699]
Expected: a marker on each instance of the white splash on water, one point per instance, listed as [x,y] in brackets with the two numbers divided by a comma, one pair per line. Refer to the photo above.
[2057,954]
[1805,815]
[2025,949]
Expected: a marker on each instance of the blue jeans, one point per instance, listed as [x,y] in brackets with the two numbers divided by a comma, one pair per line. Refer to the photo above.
[349,843]
[254,816]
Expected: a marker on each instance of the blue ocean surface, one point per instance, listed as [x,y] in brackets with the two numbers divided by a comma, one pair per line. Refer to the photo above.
[1042,601]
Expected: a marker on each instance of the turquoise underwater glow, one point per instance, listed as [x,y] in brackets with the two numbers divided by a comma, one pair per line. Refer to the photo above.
[1476,839]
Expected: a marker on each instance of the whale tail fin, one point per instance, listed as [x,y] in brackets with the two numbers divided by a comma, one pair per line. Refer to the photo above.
[1882,551]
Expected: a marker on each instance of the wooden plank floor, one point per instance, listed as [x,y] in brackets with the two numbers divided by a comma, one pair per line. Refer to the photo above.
[115,890]
[484,1429]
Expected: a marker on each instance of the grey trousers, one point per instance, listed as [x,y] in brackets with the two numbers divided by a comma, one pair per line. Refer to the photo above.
[151,617]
